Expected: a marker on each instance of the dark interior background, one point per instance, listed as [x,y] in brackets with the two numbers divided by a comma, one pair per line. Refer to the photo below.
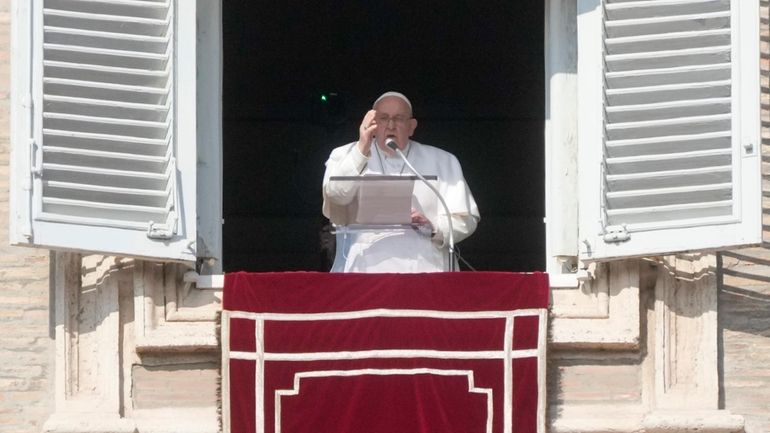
[474,74]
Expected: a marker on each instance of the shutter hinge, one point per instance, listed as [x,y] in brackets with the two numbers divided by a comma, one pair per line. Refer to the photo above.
[26,231]
[587,251]
[28,104]
[35,168]
[616,234]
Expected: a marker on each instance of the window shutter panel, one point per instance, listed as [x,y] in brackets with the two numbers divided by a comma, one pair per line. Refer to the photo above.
[671,130]
[104,155]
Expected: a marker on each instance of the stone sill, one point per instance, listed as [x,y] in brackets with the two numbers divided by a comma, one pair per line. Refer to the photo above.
[160,344]
[632,419]
[183,420]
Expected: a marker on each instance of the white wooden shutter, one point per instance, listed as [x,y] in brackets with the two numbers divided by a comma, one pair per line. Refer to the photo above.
[104,132]
[668,126]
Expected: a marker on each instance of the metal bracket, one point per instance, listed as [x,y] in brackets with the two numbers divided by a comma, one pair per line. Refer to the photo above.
[616,234]
[204,281]
[573,280]
[35,168]
[164,232]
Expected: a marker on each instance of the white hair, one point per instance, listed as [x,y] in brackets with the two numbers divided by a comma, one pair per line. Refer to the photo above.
[397,95]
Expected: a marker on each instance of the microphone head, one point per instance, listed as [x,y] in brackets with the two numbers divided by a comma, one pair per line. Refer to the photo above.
[391,143]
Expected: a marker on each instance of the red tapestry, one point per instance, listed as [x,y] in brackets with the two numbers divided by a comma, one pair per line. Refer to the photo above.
[456,352]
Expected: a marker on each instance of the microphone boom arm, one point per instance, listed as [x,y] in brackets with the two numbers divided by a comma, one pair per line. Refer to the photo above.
[392,144]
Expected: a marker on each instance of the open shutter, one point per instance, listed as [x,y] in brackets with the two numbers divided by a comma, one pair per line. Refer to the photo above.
[104,139]
[669,126]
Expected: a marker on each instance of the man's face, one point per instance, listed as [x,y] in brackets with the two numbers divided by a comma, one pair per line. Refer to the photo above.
[394,119]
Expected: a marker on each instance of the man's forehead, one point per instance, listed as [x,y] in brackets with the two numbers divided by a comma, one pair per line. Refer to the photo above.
[393,107]
[392,95]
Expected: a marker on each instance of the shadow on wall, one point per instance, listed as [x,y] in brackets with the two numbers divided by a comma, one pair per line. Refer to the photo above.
[744,295]
[578,377]
[744,334]
[744,290]
[744,275]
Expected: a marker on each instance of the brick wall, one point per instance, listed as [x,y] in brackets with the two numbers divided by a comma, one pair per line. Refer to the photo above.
[26,347]
[744,295]
[175,385]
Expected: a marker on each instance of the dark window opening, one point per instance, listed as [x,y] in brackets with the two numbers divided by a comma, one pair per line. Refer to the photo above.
[299,76]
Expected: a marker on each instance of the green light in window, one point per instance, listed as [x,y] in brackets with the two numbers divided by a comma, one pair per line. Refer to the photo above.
[324,98]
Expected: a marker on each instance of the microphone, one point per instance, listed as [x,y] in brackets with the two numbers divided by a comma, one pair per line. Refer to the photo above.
[391,143]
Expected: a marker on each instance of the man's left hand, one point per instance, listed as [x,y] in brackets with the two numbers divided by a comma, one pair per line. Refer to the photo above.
[419,219]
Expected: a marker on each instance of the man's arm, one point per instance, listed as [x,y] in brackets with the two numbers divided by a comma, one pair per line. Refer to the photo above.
[462,226]
[462,205]
[349,160]
[343,161]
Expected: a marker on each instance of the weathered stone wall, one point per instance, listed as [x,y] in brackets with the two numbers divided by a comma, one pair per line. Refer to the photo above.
[744,319]
[136,348]
[744,294]
[26,345]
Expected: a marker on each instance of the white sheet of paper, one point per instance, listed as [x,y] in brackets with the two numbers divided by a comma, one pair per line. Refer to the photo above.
[385,202]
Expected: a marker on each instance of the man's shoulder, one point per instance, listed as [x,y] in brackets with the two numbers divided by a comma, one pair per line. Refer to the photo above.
[434,152]
[341,151]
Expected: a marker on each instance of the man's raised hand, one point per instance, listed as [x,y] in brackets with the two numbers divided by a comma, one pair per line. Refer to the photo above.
[366,132]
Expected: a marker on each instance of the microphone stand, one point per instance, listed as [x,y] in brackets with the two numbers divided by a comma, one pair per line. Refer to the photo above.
[392,144]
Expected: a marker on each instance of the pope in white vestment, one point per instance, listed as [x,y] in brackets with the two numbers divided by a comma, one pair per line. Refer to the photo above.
[424,249]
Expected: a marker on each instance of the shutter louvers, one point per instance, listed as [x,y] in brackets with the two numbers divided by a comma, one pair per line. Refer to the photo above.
[668,112]
[668,126]
[104,127]
[107,115]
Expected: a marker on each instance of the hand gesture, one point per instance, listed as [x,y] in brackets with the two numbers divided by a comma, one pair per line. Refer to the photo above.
[366,132]
[419,219]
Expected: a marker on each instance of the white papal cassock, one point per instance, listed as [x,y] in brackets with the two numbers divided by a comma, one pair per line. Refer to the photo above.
[405,250]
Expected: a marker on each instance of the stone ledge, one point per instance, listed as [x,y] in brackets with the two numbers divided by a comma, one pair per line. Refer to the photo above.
[597,418]
[88,422]
[171,343]
[179,420]
[572,334]
[633,419]
[707,421]
[185,420]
